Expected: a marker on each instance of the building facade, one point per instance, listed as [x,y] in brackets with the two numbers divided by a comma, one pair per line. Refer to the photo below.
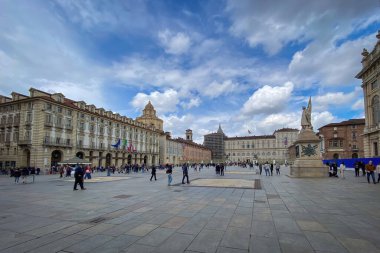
[171,151]
[43,129]
[215,142]
[342,140]
[271,148]
[370,76]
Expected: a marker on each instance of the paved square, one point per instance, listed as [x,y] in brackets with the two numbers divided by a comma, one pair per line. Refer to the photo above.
[220,214]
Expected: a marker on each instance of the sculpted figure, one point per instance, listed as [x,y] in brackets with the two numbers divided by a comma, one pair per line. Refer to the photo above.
[306,116]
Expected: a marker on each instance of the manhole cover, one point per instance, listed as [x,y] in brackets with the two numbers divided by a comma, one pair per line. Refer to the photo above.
[123,196]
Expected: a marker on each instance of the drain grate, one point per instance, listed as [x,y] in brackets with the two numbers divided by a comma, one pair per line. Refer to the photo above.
[97,220]
[123,196]
[257,184]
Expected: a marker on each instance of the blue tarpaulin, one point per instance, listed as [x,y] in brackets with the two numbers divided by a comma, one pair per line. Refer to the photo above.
[350,163]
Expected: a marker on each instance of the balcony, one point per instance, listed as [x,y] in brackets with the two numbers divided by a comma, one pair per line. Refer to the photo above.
[7,142]
[355,149]
[28,123]
[59,125]
[16,122]
[24,142]
[69,127]
[48,124]
[56,143]
[9,124]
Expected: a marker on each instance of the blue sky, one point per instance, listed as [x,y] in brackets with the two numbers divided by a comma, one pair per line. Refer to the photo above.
[245,64]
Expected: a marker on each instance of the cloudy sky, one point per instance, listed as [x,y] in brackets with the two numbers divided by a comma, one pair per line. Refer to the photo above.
[246,64]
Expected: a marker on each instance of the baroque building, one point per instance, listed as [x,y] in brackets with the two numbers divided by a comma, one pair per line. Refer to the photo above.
[370,76]
[343,139]
[43,129]
[149,118]
[271,148]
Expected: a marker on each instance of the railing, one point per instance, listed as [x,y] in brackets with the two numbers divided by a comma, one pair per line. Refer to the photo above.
[48,124]
[55,143]
[28,122]
[69,127]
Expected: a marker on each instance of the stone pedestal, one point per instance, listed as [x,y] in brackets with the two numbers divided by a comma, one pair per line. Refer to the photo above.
[308,162]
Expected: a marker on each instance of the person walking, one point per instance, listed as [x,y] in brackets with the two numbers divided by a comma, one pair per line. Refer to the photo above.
[185,171]
[342,168]
[260,168]
[266,168]
[169,171]
[78,175]
[222,169]
[17,175]
[271,169]
[362,166]
[153,173]
[357,169]
[378,172]
[277,168]
[370,170]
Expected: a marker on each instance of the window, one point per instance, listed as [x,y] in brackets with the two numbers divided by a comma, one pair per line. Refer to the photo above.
[29,117]
[375,149]
[374,85]
[354,135]
[68,142]
[58,140]
[82,115]
[69,112]
[375,110]
[59,109]
[92,118]
[353,126]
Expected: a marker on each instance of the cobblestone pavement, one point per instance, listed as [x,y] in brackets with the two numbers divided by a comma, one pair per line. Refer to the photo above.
[137,215]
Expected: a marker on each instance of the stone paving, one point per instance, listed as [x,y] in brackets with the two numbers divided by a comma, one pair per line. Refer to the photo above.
[136,215]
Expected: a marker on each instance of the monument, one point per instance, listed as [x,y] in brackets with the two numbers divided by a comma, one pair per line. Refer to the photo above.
[308,161]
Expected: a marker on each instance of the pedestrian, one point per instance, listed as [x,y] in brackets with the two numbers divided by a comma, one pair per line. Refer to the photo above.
[271,169]
[78,175]
[153,173]
[266,168]
[24,174]
[217,169]
[169,171]
[87,173]
[278,169]
[362,166]
[342,168]
[370,170]
[61,171]
[222,169]
[378,172]
[17,175]
[185,171]
[260,168]
[357,169]
[335,169]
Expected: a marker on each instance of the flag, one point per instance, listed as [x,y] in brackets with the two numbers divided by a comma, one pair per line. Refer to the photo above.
[117,144]
[125,143]
[249,132]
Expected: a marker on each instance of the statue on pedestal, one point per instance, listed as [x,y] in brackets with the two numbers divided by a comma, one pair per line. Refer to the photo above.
[306,117]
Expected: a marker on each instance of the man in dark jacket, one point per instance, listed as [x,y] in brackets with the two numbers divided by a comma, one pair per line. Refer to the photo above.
[185,171]
[153,173]
[78,175]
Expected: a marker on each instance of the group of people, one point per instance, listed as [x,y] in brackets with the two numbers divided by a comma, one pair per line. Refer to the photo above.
[268,168]
[24,173]
[367,169]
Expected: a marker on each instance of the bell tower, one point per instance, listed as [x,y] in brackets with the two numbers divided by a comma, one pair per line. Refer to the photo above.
[189,135]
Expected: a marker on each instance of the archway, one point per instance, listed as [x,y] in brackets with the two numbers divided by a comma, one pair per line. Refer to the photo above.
[79,155]
[145,159]
[26,158]
[129,159]
[153,160]
[56,157]
[108,159]
[336,156]
[355,155]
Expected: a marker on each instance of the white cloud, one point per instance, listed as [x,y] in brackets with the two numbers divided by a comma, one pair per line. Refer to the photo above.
[193,102]
[268,99]
[215,89]
[272,122]
[163,102]
[174,43]
[320,119]
[273,28]
[322,102]
[358,105]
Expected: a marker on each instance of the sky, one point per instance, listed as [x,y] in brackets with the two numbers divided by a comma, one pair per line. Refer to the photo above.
[244,64]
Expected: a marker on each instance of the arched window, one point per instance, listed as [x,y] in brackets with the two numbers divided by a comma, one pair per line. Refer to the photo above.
[375,110]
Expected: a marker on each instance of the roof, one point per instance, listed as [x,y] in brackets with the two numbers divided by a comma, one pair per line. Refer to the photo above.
[252,137]
[188,142]
[286,129]
[346,123]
